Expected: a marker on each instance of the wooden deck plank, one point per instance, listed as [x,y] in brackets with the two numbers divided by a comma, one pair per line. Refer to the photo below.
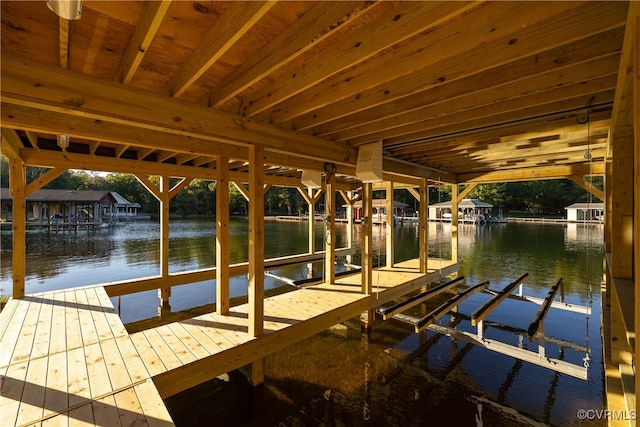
[58,340]
[87,327]
[188,340]
[78,385]
[207,328]
[166,354]
[97,359]
[103,328]
[151,403]
[56,397]
[202,338]
[99,382]
[226,327]
[136,367]
[105,412]
[148,355]
[72,321]
[11,391]
[117,367]
[80,417]
[12,321]
[7,313]
[129,409]
[175,343]
[117,327]
[24,343]
[32,400]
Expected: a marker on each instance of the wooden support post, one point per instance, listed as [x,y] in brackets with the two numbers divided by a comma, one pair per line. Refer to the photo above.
[257,372]
[423,229]
[165,293]
[349,199]
[454,223]
[256,240]
[367,317]
[312,222]
[390,249]
[17,185]
[330,229]
[541,351]
[480,332]
[223,259]
[636,216]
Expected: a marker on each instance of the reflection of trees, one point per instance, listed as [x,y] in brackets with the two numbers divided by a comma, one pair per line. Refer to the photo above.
[50,254]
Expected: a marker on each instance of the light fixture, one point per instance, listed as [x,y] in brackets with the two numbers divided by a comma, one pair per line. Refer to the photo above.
[311,179]
[67,9]
[63,142]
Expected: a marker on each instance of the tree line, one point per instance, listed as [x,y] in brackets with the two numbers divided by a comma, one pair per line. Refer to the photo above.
[198,198]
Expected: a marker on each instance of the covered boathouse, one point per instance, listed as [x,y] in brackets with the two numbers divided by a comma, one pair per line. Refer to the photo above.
[424,93]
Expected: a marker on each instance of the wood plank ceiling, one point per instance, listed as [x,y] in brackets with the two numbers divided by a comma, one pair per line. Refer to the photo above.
[457,91]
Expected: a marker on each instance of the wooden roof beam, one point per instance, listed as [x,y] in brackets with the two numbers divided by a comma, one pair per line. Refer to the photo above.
[518,108]
[622,114]
[542,87]
[492,23]
[236,21]
[63,36]
[518,120]
[11,144]
[398,24]
[533,173]
[151,17]
[537,53]
[316,25]
[588,186]
[76,97]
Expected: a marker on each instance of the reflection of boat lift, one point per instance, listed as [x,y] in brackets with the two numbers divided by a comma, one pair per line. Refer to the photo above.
[536,328]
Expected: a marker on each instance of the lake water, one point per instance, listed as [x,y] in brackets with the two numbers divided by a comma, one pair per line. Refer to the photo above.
[393,377]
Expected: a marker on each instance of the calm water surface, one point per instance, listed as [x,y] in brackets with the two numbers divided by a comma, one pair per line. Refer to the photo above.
[395,377]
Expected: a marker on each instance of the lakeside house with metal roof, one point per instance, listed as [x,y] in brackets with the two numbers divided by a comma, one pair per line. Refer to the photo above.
[90,208]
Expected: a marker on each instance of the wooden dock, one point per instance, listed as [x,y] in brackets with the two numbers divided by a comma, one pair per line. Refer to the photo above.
[67,359]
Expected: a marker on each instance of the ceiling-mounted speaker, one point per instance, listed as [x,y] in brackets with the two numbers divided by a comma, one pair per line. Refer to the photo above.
[369,166]
[311,179]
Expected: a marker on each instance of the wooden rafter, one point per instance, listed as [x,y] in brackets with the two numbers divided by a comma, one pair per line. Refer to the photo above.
[43,180]
[532,173]
[21,80]
[151,17]
[64,35]
[238,19]
[396,25]
[588,186]
[462,77]
[316,25]
[173,192]
[150,186]
[471,30]
[11,144]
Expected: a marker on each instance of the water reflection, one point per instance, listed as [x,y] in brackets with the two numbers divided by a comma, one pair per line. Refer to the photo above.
[395,377]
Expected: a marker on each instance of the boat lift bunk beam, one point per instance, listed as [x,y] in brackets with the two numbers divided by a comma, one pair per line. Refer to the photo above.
[536,327]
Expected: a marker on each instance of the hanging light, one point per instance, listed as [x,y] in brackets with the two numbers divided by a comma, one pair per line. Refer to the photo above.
[67,9]
[63,142]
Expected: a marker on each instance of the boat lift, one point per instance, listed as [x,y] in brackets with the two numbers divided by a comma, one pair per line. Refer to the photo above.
[535,330]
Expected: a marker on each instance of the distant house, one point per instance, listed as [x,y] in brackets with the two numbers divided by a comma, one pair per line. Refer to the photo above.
[71,206]
[380,209]
[125,209]
[469,209]
[585,212]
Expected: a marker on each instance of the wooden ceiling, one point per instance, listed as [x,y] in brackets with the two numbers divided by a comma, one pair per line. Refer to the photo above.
[457,91]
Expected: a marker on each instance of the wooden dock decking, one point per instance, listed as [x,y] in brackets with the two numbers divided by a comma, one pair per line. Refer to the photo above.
[67,359]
